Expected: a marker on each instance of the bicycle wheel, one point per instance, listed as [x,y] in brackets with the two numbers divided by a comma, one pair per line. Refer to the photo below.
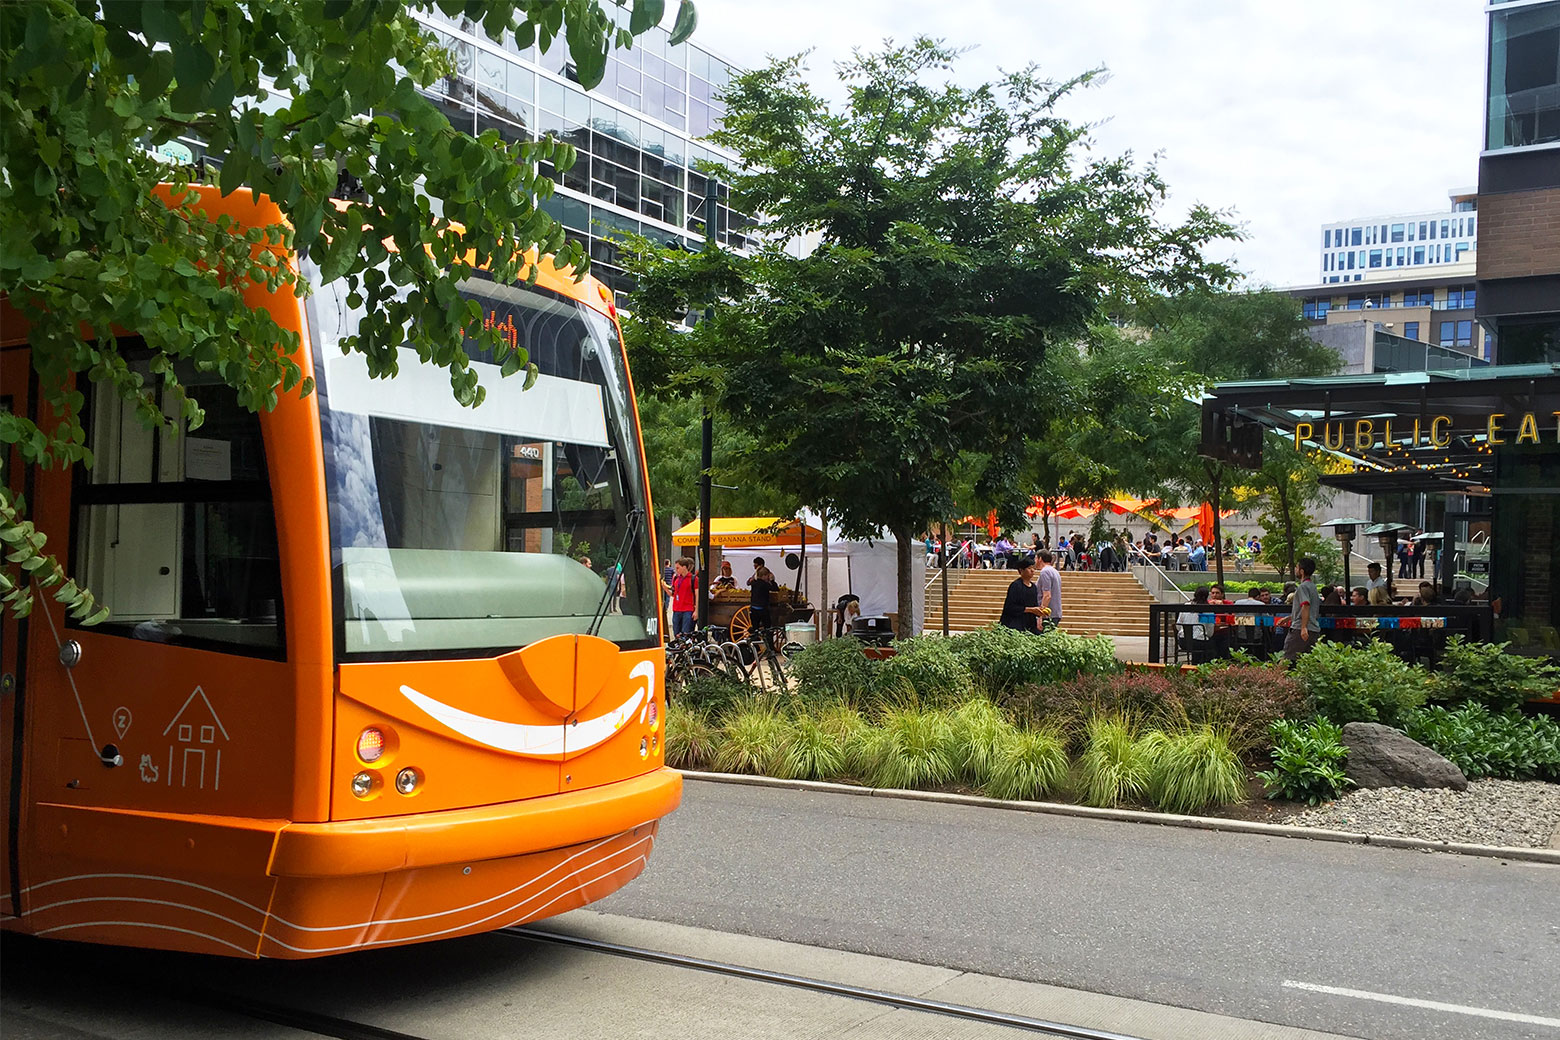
[742,623]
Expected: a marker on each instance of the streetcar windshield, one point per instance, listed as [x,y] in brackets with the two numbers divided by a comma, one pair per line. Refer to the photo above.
[480,530]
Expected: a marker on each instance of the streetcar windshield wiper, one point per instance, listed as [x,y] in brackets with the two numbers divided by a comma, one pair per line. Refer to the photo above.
[636,519]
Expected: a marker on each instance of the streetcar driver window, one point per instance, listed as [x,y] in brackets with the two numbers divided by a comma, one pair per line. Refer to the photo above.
[176,535]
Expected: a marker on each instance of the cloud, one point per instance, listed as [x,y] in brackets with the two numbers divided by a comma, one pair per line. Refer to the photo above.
[1293,116]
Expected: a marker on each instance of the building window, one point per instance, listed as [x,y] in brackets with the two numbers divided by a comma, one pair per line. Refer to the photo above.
[1419,254]
[1326,238]
[1356,302]
[1471,231]
[1411,329]
[1454,298]
[1397,232]
[1468,297]
[1462,247]
[1351,261]
[1448,333]
[1446,226]
[1375,258]
[1421,229]
[1354,237]
[1465,334]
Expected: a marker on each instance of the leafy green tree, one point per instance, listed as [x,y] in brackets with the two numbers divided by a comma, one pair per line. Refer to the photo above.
[290,98]
[959,232]
[1287,486]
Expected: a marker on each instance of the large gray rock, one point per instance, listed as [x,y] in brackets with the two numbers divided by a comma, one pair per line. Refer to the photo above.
[1380,756]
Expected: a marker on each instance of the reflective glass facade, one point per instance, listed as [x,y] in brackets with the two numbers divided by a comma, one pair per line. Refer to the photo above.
[640,165]
[1524,87]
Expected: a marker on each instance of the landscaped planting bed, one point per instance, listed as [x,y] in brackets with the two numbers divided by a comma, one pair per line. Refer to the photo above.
[1057,718]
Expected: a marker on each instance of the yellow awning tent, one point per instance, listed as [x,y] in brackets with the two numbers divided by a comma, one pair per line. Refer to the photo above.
[733,532]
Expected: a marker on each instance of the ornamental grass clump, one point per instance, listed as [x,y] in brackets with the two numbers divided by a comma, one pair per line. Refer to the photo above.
[979,734]
[691,738]
[812,751]
[911,748]
[1194,769]
[1028,765]
[1115,764]
[752,740]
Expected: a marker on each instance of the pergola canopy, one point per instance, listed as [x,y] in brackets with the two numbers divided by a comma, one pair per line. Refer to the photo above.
[1402,431]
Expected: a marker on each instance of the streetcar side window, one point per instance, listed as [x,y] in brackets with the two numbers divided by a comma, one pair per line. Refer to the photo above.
[176,533]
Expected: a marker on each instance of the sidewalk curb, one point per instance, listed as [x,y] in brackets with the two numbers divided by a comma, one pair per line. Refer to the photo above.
[1202,823]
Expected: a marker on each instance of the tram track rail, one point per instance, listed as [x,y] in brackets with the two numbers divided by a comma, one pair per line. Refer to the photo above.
[882,998]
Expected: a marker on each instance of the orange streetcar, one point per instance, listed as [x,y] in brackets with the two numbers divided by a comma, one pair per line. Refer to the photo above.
[380,669]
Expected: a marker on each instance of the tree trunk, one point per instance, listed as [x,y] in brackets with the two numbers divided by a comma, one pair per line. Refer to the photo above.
[906,583]
[1289,529]
[822,613]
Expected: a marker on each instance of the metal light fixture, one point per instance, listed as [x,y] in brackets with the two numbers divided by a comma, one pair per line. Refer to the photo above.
[1344,529]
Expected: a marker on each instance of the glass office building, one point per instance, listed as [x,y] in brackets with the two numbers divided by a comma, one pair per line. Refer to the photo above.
[1424,245]
[641,163]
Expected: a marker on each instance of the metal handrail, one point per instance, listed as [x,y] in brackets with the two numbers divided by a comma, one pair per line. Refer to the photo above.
[1164,577]
[943,566]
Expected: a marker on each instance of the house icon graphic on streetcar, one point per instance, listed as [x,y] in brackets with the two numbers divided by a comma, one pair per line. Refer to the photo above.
[197,733]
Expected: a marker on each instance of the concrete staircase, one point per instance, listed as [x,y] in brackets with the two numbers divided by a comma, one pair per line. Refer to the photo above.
[1092,602]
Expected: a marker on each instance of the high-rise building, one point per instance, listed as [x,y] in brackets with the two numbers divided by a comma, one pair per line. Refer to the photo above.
[1519,184]
[1417,245]
[641,160]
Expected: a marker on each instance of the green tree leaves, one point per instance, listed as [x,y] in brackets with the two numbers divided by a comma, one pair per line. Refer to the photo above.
[283,95]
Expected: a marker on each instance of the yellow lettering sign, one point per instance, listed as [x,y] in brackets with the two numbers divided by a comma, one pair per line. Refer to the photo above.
[1386,437]
[1303,432]
[1327,436]
[1492,430]
[1440,431]
[1364,435]
[1416,434]
[1527,433]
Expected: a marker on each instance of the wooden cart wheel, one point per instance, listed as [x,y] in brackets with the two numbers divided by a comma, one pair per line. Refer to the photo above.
[742,623]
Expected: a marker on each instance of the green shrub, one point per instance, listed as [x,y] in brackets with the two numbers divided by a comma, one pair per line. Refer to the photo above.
[691,738]
[1002,659]
[1483,743]
[812,751]
[926,671]
[1151,697]
[979,733]
[1363,682]
[1194,769]
[1243,701]
[910,749]
[1028,765]
[714,695]
[1308,761]
[1488,674]
[753,740]
[1115,764]
[834,671]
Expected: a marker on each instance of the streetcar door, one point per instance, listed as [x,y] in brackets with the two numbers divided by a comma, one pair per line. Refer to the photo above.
[14,383]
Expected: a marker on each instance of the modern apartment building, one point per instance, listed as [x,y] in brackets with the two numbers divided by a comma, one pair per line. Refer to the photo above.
[640,165]
[1422,245]
[1435,311]
[1519,184]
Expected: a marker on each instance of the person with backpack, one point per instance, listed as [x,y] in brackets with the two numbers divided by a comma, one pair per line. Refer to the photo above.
[683,587]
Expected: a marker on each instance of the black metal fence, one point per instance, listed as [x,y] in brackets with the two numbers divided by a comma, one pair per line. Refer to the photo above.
[1192,633]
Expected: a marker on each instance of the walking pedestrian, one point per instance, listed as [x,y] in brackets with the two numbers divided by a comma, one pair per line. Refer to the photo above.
[1049,582]
[1305,617]
[683,587]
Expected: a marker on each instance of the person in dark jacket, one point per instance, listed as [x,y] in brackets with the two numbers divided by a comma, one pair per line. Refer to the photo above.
[760,585]
[1021,608]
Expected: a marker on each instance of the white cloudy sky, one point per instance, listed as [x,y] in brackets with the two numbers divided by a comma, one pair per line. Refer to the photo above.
[1293,115]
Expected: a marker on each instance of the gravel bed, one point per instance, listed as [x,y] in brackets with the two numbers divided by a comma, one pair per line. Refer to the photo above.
[1515,814]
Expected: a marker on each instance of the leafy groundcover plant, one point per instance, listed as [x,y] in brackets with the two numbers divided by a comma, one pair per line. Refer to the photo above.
[1483,743]
[1001,659]
[1308,761]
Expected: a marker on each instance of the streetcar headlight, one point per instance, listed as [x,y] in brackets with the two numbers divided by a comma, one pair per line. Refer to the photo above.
[644,747]
[407,780]
[371,745]
[363,784]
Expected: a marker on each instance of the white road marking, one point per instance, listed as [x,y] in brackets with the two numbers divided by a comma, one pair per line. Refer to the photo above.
[1432,1005]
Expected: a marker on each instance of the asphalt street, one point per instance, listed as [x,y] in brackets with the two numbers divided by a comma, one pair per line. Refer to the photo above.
[1262,928]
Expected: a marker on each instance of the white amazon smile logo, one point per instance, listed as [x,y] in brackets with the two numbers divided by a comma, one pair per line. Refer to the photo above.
[539,741]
